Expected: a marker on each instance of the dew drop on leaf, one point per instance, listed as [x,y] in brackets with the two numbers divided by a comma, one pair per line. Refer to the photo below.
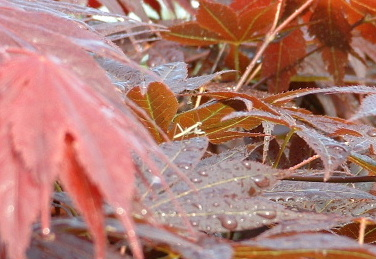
[261,181]
[203,173]
[194,223]
[252,191]
[185,166]
[46,231]
[197,205]
[215,204]
[196,180]
[371,133]
[228,222]
[120,211]
[247,165]
[267,214]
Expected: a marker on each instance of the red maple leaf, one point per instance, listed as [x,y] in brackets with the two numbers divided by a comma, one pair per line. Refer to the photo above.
[55,126]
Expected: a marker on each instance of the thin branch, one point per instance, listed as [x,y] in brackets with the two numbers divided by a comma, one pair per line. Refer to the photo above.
[270,36]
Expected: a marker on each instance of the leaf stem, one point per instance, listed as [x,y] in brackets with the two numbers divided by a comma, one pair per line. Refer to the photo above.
[308,160]
[285,142]
[269,37]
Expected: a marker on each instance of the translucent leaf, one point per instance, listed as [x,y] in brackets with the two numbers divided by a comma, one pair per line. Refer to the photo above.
[280,60]
[208,119]
[218,18]
[191,33]
[217,23]
[160,105]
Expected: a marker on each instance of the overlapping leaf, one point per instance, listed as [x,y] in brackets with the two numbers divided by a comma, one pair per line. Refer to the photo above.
[332,29]
[209,117]
[311,245]
[220,23]
[222,201]
[160,105]
[323,198]
[54,112]
[281,58]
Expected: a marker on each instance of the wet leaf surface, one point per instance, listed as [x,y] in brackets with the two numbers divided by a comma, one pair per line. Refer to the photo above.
[312,245]
[323,198]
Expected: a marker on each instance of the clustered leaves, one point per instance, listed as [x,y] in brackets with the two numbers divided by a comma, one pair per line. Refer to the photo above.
[127,139]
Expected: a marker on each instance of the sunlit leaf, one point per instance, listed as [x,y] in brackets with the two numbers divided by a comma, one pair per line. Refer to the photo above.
[191,33]
[54,111]
[218,18]
[208,119]
[160,105]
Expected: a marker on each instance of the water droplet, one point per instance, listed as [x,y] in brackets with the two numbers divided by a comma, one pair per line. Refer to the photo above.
[247,164]
[252,191]
[120,211]
[46,231]
[144,212]
[267,214]
[10,209]
[194,223]
[47,234]
[337,148]
[290,199]
[371,132]
[215,204]
[197,205]
[228,222]
[186,167]
[108,111]
[203,173]
[196,180]
[261,181]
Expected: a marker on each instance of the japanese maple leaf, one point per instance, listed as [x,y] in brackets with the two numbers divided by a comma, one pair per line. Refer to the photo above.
[234,24]
[55,126]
